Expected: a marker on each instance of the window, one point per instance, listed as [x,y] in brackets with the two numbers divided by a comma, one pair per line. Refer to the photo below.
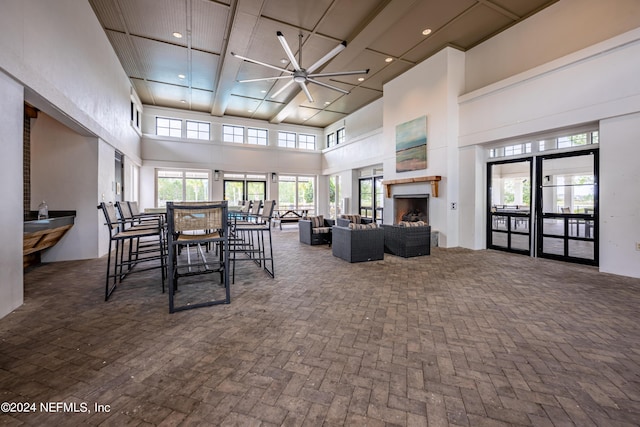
[286,139]
[296,192]
[181,186]
[307,142]
[233,134]
[341,136]
[257,136]
[198,130]
[168,127]
[331,140]
[577,140]
[240,186]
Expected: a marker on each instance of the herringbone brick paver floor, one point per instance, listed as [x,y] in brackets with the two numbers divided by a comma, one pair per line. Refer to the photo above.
[459,338]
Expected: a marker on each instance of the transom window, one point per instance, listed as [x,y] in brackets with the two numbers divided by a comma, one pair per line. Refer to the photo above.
[546,144]
[168,127]
[257,136]
[233,134]
[286,139]
[307,142]
[198,130]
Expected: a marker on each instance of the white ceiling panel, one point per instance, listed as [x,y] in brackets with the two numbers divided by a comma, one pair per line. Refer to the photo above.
[204,67]
[156,19]
[162,62]
[301,14]
[126,53]
[346,18]
[209,22]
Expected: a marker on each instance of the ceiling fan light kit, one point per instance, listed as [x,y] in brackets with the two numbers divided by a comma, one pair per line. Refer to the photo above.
[300,75]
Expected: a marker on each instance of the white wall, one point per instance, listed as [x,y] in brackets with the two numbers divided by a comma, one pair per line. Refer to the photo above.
[182,153]
[63,173]
[59,54]
[429,89]
[619,195]
[11,111]
[565,27]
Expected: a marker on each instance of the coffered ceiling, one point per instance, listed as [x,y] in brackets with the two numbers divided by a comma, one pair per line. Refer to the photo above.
[197,71]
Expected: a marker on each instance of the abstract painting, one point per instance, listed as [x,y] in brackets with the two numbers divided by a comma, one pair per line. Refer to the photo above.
[411,145]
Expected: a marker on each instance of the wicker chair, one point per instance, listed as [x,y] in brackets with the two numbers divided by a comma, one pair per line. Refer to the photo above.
[407,241]
[315,230]
[192,225]
[358,244]
[344,220]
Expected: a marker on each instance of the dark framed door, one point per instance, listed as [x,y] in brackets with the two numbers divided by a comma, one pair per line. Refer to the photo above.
[567,207]
[509,205]
[235,191]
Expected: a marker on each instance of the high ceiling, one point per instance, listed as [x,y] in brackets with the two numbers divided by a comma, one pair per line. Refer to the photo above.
[197,72]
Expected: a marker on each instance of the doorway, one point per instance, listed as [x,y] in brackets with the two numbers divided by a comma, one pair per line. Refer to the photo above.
[119,176]
[545,206]
[235,191]
[509,210]
[567,207]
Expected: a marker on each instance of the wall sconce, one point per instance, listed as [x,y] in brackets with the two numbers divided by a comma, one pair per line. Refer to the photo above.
[274,177]
[547,178]
[216,175]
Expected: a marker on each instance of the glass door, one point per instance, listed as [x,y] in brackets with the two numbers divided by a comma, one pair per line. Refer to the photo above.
[509,206]
[567,212]
[235,191]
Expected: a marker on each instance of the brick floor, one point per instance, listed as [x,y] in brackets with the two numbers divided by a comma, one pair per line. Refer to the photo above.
[459,338]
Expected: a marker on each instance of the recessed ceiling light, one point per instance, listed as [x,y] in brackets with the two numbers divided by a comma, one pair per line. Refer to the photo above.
[327,102]
[177,35]
[360,79]
[284,60]
[389,59]
[426,31]
[183,101]
[181,76]
[263,91]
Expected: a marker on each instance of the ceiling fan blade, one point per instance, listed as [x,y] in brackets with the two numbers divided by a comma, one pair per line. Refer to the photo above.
[346,92]
[279,91]
[306,91]
[288,51]
[284,70]
[264,79]
[320,62]
[339,73]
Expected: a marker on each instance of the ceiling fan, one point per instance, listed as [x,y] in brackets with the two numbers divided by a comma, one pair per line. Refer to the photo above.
[300,75]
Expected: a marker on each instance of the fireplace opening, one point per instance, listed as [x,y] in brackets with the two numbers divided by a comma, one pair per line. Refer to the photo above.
[411,208]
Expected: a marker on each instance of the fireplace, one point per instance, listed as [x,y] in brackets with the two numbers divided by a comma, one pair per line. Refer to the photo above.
[413,207]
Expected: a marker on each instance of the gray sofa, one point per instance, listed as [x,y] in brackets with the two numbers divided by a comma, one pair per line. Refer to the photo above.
[358,245]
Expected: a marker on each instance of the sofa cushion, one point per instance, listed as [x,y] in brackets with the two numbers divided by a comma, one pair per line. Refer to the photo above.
[412,224]
[319,230]
[316,221]
[355,219]
[362,226]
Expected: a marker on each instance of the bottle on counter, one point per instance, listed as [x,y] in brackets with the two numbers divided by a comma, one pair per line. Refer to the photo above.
[43,210]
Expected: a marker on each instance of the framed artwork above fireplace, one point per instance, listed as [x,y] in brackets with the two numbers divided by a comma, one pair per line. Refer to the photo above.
[411,145]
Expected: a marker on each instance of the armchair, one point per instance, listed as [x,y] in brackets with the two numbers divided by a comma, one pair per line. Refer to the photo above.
[315,230]
[345,220]
[358,242]
[407,240]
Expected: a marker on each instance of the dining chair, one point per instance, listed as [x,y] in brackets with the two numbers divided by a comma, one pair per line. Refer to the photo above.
[250,238]
[142,245]
[192,225]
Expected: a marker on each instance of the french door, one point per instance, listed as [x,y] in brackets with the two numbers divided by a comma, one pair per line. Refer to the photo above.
[235,191]
[567,207]
[509,205]
[549,213]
